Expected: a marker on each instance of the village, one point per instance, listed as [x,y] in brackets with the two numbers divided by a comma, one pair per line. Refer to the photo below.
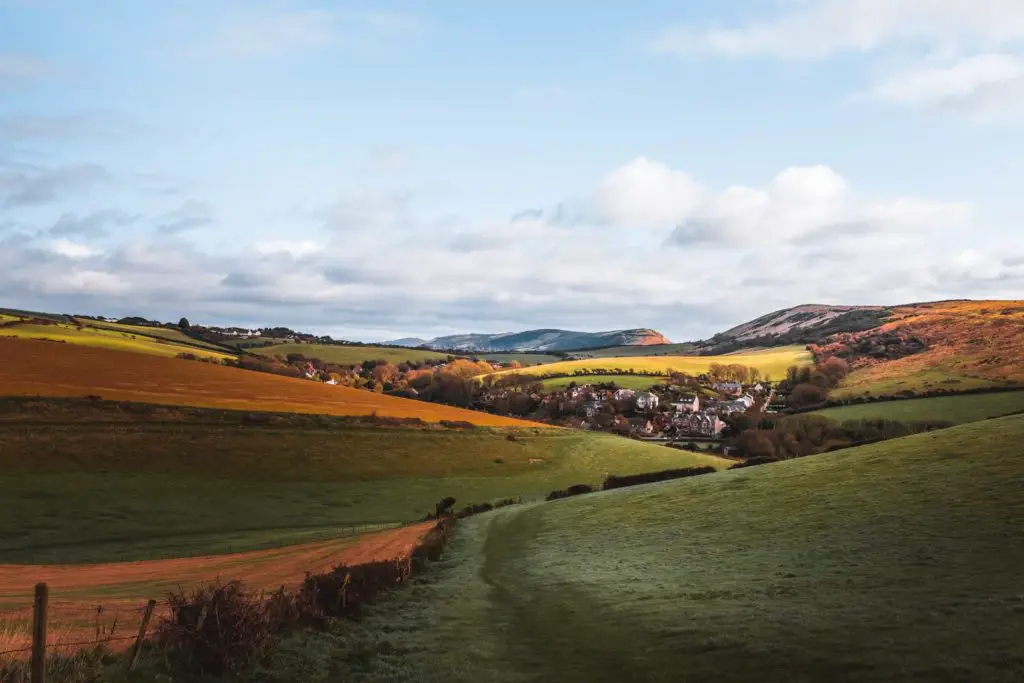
[677,408]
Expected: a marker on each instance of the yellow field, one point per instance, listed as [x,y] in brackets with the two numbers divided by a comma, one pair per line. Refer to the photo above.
[771,362]
[162,332]
[110,339]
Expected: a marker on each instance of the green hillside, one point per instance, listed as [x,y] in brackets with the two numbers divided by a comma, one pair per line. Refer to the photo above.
[345,354]
[898,561]
[683,349]
[103,482]
[956,409]
[622,381]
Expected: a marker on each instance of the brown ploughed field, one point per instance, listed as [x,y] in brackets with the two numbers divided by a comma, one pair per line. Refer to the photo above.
[104,602]
[45,368]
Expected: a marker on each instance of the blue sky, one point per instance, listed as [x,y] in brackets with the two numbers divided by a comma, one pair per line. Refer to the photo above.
[372,170]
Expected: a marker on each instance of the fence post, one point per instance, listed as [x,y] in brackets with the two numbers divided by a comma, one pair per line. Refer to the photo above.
[38,665]
[142,634]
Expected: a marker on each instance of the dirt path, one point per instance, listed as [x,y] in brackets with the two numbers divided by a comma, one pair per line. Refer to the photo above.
[105,600]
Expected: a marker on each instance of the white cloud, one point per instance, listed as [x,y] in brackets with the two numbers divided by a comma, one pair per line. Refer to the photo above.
[820,28]
[805,234]
[812,203]
[72,250]
[277,31]
[388,160]
[273,32]
[646,194]
[982,85]
[963,56]
[296,249]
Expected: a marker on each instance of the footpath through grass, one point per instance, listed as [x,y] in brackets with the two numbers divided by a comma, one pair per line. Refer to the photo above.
[164,483]
[897,561]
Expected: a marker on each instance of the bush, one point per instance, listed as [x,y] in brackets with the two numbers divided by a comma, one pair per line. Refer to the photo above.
[574,490]
[216,629]
[615,482]
[457,424]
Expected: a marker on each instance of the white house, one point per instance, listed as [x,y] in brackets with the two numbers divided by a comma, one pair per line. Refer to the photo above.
[689,403]
[624,394]
[646,400]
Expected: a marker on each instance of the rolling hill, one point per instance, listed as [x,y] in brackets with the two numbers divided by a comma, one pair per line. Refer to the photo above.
[545,340]
[47,368]
[154,341]
[942,345]
[891,562]
[95,481]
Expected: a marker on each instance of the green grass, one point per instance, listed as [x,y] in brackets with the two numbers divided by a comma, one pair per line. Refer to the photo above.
[80,490]
[897,561]
[624,351]
[923,380]
[143,330]
[622,381]
[523,358]
[956,409]
[110,339]
[350,355]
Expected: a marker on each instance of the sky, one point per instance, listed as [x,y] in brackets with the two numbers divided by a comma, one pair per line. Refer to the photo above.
[373,170]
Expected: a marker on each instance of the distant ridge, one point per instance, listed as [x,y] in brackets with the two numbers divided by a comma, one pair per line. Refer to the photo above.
[538,340]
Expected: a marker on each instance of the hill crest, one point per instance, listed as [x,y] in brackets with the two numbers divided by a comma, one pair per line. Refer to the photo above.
[541,340]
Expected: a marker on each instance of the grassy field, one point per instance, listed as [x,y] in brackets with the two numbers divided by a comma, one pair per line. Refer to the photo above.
[522,358]
[892,562]
[956,409]
[122,588]
[633,351]
[143,330]
[85,483]
[622,381]
[350,355]
[119,340]
[771,362]
[969,344]
[40,368]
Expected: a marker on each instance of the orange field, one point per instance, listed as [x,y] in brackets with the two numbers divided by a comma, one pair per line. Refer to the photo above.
[43,368]
[105,601]
[970,343]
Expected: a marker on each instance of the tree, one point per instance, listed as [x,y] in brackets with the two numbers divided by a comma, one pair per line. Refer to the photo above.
[184,324]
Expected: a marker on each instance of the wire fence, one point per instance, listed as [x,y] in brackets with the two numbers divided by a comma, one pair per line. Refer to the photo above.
[75,624]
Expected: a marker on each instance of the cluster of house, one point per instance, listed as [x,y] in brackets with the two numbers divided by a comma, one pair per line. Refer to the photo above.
[664,412]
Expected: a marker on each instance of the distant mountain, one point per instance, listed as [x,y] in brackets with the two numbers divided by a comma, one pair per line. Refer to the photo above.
[410,342]
[543,340]
[805,324]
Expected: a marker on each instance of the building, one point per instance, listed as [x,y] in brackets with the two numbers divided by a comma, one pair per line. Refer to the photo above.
[646,400]
[642,426]
[624,394]
[591,408]
[700,424]
[728,388]
[688,403]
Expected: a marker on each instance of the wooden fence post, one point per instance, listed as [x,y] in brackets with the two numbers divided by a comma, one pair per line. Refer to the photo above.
[142,634]
[38,665]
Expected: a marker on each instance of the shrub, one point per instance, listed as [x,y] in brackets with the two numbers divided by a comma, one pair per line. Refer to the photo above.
[216,629]
[457,424]
[574,490]
[615,482]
